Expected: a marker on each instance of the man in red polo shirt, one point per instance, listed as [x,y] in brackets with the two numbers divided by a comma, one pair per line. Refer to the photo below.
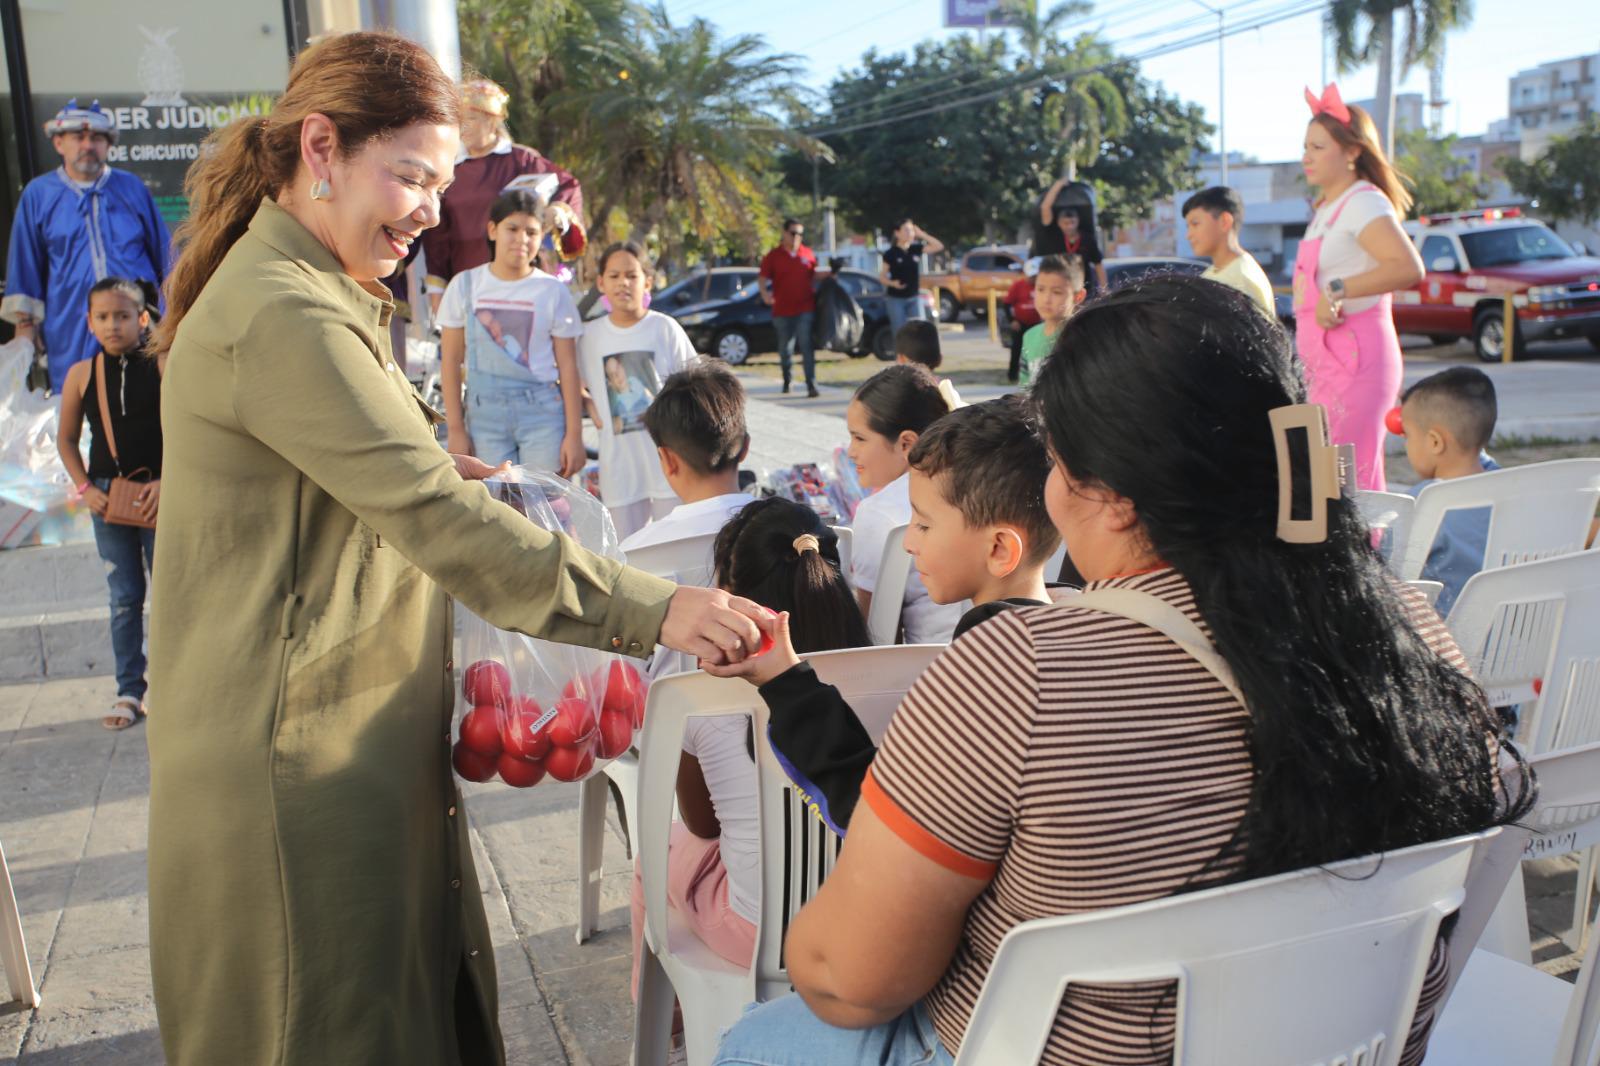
[788,282]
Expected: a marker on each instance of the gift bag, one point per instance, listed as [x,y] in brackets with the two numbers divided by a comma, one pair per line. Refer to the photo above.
[529,708]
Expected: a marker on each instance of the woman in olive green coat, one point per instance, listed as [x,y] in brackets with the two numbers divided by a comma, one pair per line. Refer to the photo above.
[312,893]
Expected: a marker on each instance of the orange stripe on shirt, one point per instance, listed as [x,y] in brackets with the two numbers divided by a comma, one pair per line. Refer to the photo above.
[925,843]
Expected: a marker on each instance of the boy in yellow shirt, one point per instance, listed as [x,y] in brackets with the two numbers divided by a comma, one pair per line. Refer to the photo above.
[1213,217]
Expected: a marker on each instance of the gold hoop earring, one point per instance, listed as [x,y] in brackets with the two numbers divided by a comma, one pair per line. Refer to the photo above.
[321,190]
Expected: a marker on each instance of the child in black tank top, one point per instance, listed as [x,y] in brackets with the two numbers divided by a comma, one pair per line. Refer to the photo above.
[119,319]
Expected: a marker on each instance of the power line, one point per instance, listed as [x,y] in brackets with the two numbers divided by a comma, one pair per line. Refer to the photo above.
[1295,9]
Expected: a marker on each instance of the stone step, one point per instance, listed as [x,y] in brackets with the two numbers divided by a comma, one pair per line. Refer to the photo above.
[60,643]
[42,578]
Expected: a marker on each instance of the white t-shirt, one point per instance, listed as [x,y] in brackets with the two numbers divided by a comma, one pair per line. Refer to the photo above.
[509,325]
[690,520]
[1246,275]
[925,622]
[1341,255]
[730,773]
[644,355]
[683,521]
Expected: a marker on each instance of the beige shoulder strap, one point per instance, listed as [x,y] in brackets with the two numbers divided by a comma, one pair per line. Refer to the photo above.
[1164,618]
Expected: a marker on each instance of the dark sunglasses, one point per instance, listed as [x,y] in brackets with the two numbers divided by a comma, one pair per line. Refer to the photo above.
[795,232]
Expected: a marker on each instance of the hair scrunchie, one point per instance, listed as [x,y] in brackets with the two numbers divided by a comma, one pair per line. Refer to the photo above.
[806,542]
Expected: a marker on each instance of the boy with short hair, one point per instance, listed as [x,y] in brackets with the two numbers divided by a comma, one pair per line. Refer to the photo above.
[1213,217]
[918,342]
[697,423]
[979,531]
[1448,419]
[1057,292]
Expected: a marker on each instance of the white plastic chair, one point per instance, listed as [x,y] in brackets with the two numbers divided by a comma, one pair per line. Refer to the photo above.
[13,950]
[687,561]
[1318,966]
[797,851]
[889,597]
[847,542]
[1539,511]
[1529,631]
[1429,589]
[1388,513]
[1504,1010]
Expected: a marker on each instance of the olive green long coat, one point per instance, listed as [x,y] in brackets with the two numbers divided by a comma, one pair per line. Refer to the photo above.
[312,894]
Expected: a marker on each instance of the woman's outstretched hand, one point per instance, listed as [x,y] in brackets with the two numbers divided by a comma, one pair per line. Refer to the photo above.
[759,669]
[713,626]
[471,468]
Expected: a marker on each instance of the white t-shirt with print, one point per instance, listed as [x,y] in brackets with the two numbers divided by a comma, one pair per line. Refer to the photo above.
[643,356]
[925,622]
[510,324]
[1341,254]
[719,743]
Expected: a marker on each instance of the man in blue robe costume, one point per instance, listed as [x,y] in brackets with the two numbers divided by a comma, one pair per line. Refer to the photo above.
[77,224]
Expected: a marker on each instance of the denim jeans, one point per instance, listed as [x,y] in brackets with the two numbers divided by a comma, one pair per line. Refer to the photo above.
[795,330]
[903,309]
[784,1032]
[129,554]
[510,419]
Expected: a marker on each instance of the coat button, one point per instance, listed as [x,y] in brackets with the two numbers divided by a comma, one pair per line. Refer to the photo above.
[452,811]
[635,646]
[616,642]
[456,883]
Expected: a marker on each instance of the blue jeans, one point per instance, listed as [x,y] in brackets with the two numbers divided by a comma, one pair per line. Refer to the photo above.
[519,421]
[129,554]
[784,1032]
[795,330]
[903,309]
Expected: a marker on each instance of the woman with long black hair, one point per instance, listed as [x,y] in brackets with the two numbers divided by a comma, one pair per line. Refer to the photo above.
[1064,759]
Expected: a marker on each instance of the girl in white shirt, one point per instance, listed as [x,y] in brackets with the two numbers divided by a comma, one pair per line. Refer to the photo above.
[514,327]
[624,358]
[887,415]
[781,555]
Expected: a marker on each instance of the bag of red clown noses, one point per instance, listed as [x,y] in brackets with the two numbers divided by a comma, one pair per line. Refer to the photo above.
[527,709]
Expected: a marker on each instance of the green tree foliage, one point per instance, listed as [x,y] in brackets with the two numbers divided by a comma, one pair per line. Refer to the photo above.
[1363,32]
[977,171]
[1564,181]
[1441,180]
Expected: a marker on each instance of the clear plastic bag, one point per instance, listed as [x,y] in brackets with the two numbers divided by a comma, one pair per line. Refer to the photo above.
[529,708]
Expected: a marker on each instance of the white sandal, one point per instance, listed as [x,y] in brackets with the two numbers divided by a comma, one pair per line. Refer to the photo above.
[125,712]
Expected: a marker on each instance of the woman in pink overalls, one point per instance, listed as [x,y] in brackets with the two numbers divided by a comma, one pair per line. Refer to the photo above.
[1353,256]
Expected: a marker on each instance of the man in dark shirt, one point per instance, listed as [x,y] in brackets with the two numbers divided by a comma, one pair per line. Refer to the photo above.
[902,270]
[1063,231]
[788,281]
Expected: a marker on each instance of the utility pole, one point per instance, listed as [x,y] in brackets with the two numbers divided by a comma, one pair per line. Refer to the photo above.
[431,23]
[1222,99]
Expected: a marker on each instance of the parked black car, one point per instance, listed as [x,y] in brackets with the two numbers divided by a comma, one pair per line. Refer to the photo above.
[722,311]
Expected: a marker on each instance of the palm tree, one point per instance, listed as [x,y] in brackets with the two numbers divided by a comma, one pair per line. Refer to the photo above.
[682,135]
[1082,112]
[1034,34]
[1427,21]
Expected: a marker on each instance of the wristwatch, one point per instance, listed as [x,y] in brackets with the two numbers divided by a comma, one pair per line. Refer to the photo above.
[1336,289]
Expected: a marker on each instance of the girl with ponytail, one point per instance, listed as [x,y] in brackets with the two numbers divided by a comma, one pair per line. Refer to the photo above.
[781,555]
[301,794]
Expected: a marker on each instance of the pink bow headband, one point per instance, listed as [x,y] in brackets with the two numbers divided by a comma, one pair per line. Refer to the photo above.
[1329,103]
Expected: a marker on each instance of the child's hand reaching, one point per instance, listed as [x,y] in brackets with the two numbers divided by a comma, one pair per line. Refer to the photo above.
[762,667]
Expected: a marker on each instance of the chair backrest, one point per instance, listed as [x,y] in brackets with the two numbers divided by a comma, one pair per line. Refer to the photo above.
[1538,511]
[1529,632]
[889,597]
[1429,589]
[1318,966]
[1388,513]
[686,561]
[847,543]
[797,850]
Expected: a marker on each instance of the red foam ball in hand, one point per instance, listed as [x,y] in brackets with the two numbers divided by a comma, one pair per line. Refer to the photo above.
[573,724]
[487,683]
[616,733]
[480,731]
[523,735]
[470,765]
[624,688]
[519,773]
[569,764]
[1393,423]
[767,643]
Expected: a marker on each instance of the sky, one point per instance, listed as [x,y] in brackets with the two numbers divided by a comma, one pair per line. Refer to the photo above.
[1266,67]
